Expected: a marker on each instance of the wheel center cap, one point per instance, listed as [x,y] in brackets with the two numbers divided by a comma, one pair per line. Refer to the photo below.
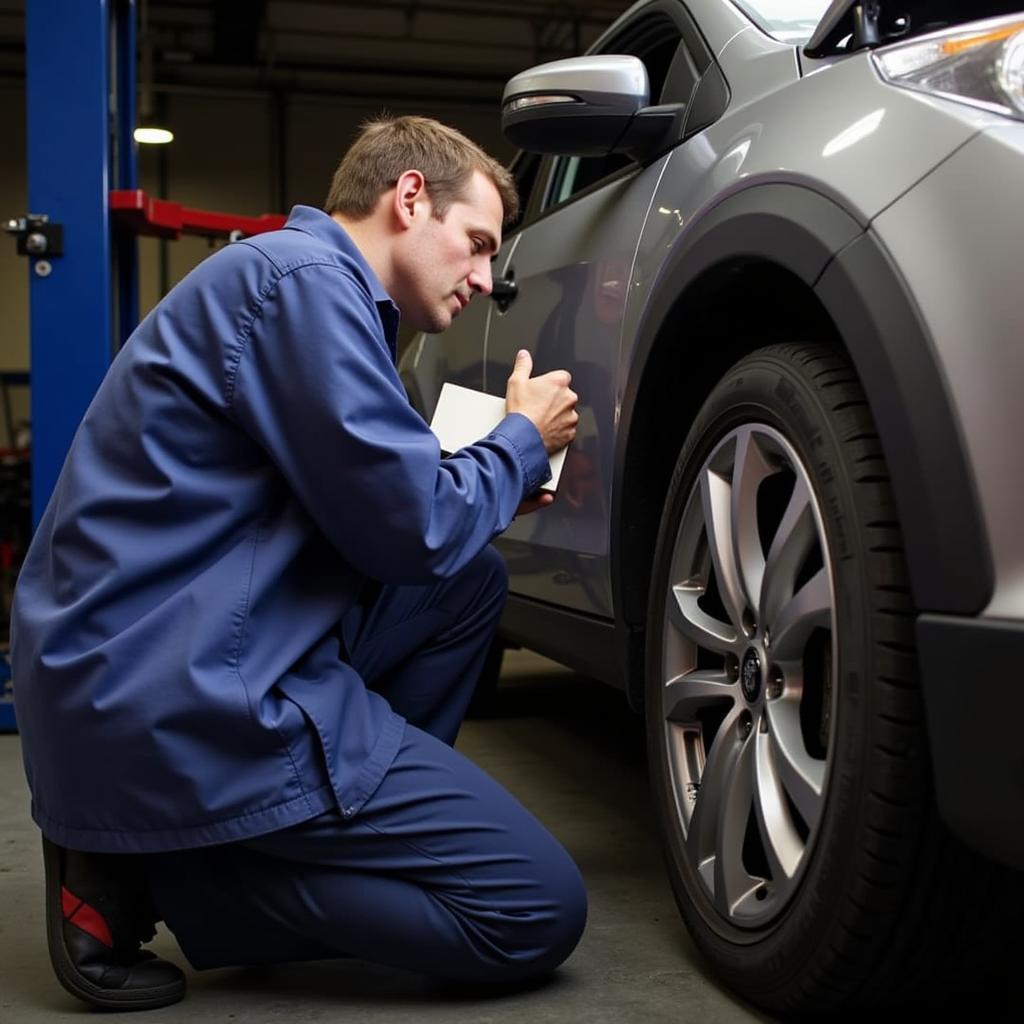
[750,675]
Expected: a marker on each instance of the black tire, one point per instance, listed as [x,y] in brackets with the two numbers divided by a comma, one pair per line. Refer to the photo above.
[867,900]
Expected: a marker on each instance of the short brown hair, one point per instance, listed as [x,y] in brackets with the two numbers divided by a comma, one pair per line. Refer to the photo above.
[387,147]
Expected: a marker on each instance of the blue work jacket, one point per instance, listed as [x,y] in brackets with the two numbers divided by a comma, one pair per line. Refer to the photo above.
[248,462]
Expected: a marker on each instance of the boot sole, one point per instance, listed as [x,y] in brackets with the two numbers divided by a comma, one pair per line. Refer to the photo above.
[68,974]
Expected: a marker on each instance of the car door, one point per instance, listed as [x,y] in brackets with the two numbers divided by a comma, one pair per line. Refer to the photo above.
[572,266]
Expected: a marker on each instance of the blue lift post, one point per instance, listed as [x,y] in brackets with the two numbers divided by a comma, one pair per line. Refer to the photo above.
[126,246]
[83,303]
[80,53]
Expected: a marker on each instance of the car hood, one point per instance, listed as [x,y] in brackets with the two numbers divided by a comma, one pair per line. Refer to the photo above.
[870,23]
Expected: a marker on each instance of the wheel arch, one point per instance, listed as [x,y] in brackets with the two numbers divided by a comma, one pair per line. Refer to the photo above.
[783,262]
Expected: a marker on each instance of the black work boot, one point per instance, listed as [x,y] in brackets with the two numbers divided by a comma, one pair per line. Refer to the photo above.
[98,914]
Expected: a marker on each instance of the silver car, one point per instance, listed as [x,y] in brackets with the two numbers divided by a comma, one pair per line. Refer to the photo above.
[779,245]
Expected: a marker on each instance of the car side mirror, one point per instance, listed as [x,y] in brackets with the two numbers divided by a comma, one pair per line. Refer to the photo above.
[584,106]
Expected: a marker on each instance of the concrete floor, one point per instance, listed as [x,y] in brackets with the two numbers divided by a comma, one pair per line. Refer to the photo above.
[572,751]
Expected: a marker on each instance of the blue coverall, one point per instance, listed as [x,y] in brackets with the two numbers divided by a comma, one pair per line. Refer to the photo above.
[248,626]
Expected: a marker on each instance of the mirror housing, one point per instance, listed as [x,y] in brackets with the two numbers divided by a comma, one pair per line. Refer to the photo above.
[576,107]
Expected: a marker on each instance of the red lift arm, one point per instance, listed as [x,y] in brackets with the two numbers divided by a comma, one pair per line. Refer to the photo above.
[141,214]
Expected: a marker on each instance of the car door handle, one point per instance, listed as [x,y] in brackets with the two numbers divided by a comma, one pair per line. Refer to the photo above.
[504,290]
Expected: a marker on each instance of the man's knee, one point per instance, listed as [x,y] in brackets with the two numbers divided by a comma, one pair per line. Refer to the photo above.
[569,920]
[530,943]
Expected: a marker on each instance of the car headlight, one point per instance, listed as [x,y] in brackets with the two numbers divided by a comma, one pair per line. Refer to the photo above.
[982,65]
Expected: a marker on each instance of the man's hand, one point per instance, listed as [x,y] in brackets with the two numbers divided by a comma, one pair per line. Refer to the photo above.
[528,505]
[547,401]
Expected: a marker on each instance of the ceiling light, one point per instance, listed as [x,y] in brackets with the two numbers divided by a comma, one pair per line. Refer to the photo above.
[154,136]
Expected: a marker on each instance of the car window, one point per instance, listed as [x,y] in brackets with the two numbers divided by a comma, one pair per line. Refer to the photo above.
[655,39]
[524,168]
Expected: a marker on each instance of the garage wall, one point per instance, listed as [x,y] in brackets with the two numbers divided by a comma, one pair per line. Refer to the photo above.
[225,156]
[13,268]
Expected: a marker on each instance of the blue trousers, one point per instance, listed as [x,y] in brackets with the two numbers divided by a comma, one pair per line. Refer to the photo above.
[442,872]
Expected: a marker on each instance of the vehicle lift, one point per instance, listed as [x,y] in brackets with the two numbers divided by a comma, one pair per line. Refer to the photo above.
[88,212]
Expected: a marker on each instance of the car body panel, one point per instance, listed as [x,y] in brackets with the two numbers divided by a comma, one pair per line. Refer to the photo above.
[974,321]
[875,143]
[572,271]
[756,65]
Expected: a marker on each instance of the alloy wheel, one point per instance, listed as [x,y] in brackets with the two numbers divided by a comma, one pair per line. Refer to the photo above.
[747,657]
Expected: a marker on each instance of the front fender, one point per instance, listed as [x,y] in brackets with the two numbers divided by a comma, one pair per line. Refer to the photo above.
[858,297]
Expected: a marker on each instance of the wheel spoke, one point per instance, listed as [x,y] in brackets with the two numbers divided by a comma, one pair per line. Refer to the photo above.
[715,836]
[686,615]
[750,469]
[781,841]
[809,609]
[801,775]
[718,765]
[716,502]
[733,883]
[796,534]
[687,694]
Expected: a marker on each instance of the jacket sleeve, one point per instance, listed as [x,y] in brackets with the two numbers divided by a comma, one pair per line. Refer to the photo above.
[316,387]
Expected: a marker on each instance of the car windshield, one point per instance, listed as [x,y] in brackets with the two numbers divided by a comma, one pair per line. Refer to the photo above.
[790,21]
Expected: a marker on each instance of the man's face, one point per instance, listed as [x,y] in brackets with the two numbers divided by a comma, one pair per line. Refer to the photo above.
[440,264]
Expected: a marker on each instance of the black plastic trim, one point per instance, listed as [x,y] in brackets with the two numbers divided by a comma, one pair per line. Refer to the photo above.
[835,25]
[971,673]
[583,642]
[943,531]
[709,102]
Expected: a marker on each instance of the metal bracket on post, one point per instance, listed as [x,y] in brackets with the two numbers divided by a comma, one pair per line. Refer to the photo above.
[36,236]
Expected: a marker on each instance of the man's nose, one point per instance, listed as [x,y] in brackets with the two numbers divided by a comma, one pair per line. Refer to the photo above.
[480,278]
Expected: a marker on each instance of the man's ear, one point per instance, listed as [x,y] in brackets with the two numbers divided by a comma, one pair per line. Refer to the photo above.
[410,198]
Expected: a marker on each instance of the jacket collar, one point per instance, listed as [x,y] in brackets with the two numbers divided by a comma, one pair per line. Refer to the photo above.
[326,229]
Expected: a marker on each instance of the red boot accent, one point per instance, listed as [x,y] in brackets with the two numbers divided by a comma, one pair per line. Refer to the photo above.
[81,915]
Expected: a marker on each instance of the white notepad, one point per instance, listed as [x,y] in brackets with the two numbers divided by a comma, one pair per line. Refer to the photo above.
[464,416]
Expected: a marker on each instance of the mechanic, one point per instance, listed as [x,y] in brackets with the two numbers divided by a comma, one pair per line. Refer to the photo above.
[254,611]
